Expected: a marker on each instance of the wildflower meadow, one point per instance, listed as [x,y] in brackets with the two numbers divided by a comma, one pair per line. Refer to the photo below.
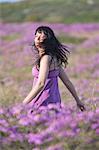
[51,127]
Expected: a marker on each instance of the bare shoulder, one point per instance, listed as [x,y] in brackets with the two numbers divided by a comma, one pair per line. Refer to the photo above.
[46,57]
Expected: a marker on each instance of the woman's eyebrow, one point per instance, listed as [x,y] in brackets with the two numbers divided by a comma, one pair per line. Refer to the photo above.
[36,35]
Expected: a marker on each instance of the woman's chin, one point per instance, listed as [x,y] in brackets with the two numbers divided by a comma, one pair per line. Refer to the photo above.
[39,45]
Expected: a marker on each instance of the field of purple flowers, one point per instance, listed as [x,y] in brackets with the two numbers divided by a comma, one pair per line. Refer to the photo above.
[51,128]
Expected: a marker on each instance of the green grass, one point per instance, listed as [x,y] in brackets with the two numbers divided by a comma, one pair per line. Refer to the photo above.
[10,37]
[18,74]
[66,11]
[71,39]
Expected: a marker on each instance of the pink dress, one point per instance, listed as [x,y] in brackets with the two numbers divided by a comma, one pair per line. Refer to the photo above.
[50,92]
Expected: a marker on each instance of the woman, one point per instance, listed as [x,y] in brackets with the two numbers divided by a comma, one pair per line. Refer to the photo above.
[47,68]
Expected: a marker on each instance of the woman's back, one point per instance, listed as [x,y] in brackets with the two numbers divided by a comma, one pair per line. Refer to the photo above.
[54,64]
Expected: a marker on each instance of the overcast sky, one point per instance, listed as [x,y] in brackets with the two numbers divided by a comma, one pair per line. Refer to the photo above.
[9,0]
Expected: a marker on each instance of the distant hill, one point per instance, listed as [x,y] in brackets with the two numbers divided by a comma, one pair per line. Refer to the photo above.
[65,11]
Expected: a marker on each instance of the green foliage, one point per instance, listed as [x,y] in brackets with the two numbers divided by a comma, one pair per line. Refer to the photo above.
[10,37]
[71,39]
[66,11]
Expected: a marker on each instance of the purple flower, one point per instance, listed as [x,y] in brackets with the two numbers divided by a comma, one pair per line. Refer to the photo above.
[97,131]
[16,137]
[1,111]
[34,138]
[25,121]
[95,126]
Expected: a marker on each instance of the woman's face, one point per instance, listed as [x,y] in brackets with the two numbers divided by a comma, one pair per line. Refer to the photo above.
[39,37]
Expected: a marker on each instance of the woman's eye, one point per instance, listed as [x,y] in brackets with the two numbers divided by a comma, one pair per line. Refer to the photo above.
[43,37]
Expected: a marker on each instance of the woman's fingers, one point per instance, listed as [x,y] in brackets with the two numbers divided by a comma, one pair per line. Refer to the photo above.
[81,106]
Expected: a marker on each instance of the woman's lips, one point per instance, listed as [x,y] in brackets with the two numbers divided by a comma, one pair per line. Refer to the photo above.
[38,43]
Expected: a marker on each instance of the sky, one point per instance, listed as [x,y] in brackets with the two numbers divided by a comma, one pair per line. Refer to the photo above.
[9,0]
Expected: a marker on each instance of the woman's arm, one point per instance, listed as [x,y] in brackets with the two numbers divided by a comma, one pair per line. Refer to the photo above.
[71,88]
[43,73]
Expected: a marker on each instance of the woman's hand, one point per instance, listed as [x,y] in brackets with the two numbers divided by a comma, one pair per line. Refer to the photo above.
[81,106]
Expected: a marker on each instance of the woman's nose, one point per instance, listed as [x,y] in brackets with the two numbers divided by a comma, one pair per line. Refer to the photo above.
[38,38]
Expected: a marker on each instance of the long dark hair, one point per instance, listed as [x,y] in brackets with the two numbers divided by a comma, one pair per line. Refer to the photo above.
[51,46]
